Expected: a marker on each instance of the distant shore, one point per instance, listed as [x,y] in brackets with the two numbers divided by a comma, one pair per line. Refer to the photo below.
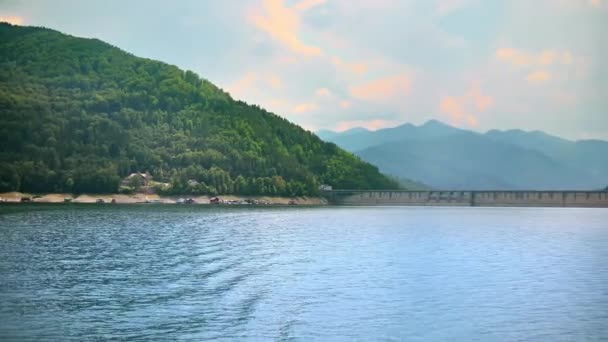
[16,197]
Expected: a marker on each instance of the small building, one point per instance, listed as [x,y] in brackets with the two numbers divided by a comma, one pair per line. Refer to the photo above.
[325,187]
[141,178]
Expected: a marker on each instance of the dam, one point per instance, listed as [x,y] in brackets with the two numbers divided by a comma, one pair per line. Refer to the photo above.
[515,198]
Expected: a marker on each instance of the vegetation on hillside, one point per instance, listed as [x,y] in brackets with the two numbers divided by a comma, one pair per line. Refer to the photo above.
[78,115]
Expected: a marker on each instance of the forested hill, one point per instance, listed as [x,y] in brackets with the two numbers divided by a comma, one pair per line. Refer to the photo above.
[78,115]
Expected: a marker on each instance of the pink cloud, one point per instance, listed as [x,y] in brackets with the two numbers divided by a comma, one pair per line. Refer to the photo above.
[275,81]
[383,89]
[359,68]
[344,104]
[539,76]
[13,20]
[453,106]
[304,108]
[523,58]
[323,92]
[305,5]
[464,109]
[254,80]
[480,101]
[578,4]
[283,23]
[240,87]
[595,3]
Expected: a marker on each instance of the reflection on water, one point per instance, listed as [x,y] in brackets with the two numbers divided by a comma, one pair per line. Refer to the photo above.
[170,272]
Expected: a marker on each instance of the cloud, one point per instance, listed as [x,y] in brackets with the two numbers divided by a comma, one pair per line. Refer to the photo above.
[577,4]
[355,43]
[254,80]
[275,81]
[305,5]
[464,109]
[283,24]
[595,3]
[323,92]
[345,104]
[13,20]
[242,85]
[480,101]
[304,108]
[382,89]
[453,107]
[540,76]
[352,68]
[545,65]
[523,58]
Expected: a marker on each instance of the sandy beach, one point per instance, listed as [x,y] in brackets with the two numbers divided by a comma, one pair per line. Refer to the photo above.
[13,197]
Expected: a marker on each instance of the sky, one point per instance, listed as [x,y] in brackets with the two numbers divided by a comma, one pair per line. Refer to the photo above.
[338,64]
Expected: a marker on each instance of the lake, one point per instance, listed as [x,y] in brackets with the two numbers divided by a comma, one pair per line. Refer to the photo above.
[169,272]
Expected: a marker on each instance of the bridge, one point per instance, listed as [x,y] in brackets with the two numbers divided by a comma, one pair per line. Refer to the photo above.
[491,198]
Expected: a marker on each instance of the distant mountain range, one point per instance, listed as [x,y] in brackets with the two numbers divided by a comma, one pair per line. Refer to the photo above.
[445,157]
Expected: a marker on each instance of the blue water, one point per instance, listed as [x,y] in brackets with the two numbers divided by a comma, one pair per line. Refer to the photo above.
[96,272]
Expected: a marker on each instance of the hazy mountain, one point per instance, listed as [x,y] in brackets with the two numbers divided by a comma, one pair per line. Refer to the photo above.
[589,155]
[450,158]
[327,134]
[357,139]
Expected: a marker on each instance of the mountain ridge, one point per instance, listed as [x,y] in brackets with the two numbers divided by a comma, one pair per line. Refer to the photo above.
[443,156]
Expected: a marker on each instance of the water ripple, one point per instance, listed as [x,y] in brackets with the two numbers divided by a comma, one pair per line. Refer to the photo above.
[191,273]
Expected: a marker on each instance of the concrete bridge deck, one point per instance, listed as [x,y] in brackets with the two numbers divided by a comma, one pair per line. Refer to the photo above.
[491,198]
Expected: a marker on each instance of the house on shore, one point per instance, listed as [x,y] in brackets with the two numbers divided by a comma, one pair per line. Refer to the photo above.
[325,187]
[139,178]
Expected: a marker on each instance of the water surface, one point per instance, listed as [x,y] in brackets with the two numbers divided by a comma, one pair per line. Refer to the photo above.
[147,272]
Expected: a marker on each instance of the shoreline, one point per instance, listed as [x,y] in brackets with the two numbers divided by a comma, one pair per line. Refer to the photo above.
[139,198]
